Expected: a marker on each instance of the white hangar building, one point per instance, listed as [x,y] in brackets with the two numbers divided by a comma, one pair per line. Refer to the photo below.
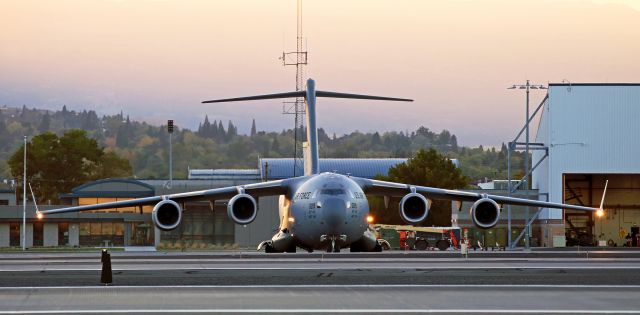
[592,134]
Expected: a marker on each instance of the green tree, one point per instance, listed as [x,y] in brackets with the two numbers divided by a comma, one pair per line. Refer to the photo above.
[253,128]
[57,164]
[45,124]
[112,166]
[426,168]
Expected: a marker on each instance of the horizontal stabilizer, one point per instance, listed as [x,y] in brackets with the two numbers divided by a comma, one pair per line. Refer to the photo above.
[359,96]
[260,97]
[304,94]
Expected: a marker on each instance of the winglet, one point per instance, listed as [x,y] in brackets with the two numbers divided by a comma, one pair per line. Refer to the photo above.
[603,194]
[38,213]
[600,211]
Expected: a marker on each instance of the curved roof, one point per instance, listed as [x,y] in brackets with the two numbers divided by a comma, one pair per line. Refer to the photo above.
[366,168]
[224,174]
[112,188]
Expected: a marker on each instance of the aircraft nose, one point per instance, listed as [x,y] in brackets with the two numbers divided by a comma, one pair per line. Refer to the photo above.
[334,212]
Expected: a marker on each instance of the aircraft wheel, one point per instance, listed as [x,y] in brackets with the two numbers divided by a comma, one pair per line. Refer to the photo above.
[269,249]
[442,244]
[421,245]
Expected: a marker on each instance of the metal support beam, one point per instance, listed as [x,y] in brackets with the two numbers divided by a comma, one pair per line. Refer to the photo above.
[531,118]
[530,172]
[527,226]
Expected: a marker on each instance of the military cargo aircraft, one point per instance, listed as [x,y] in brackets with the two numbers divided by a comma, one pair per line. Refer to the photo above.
[323,211]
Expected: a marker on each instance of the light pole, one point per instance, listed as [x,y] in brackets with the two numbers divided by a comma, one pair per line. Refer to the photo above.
[527,86]
[24,197]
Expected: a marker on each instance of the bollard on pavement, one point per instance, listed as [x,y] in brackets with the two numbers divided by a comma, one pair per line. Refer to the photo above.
[106,277]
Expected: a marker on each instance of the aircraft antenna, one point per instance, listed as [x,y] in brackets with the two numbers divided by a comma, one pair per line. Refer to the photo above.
[298,59]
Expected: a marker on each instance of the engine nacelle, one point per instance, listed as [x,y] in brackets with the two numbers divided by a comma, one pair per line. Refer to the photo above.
[166,215]
[242,209]
[485,213]
[414,208]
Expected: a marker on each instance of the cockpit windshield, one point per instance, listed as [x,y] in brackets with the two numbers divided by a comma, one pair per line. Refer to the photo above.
[333,191]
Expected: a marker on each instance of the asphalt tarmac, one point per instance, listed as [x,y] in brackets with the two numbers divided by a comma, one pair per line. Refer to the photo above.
[567,282]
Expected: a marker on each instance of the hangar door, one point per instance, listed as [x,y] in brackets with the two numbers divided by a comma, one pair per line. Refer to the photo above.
[622,208]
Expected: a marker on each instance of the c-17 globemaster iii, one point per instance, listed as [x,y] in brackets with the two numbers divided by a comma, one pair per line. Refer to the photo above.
[326,211]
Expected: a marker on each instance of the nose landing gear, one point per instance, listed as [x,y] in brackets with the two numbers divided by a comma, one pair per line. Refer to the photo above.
[334,242]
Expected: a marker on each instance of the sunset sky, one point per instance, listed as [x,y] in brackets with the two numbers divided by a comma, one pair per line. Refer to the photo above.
[157,60]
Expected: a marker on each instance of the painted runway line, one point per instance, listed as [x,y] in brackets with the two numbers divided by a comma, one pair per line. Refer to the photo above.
[321,267]
[342,286]
[329,311]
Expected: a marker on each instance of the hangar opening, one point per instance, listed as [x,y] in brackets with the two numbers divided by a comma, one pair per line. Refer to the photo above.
[622,209]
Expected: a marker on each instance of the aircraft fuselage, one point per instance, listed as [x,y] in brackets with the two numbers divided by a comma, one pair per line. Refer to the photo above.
[325,207]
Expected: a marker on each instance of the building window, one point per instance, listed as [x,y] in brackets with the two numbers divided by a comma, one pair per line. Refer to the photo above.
[84,201]
[63,234]
[14,234]
[4,202]
[96,233]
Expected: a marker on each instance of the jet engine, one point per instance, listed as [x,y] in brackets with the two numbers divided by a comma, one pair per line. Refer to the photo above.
[485,213]
[242,209]
[414,208]
[166,215]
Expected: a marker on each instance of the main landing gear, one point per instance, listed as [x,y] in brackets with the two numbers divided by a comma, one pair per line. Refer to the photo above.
[268,248]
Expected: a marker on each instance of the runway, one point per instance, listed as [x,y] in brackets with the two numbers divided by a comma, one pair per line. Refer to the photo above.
[396,282]
[322,299]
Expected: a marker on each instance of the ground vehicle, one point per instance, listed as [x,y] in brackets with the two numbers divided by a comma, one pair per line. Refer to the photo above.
[418,238]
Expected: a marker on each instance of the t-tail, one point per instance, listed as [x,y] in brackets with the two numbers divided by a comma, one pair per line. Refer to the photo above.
[310,96]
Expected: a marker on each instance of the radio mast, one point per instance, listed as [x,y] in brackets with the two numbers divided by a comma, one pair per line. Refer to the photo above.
[298,59]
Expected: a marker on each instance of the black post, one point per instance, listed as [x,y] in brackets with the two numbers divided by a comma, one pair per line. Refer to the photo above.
[106,277]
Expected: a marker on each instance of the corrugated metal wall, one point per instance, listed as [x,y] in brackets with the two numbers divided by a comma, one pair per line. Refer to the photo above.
[589,129]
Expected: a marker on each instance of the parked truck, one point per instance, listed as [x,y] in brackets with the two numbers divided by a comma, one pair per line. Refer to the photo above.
[418,238]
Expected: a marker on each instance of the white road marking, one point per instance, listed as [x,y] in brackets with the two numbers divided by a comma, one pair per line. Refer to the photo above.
[328,267]
[331,311]
[333,286]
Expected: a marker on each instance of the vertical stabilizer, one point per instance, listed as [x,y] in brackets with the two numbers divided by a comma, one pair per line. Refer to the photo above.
[306,157]
[312,130]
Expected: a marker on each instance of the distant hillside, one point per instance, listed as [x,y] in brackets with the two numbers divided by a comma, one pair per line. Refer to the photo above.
[217,144]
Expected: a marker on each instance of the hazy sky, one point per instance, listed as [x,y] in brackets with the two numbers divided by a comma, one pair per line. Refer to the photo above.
[158,59]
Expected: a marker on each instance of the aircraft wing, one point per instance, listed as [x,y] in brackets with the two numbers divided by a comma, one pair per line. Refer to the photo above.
[391,189]
[270,188]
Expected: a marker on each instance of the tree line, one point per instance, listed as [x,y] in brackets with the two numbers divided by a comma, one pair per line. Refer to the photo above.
[219,145]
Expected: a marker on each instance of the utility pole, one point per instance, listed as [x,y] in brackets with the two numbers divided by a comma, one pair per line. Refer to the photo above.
[170,130]
[24,197]
[527,86]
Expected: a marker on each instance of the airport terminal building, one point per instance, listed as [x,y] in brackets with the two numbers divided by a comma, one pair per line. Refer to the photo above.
[204,225]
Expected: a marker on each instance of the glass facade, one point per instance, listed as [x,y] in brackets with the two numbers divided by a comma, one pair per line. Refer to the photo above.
[102,233]
[142,234]
[201,227]
[83,201]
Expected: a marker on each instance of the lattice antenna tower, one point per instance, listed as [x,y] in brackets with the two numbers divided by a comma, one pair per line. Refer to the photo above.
[298,59]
